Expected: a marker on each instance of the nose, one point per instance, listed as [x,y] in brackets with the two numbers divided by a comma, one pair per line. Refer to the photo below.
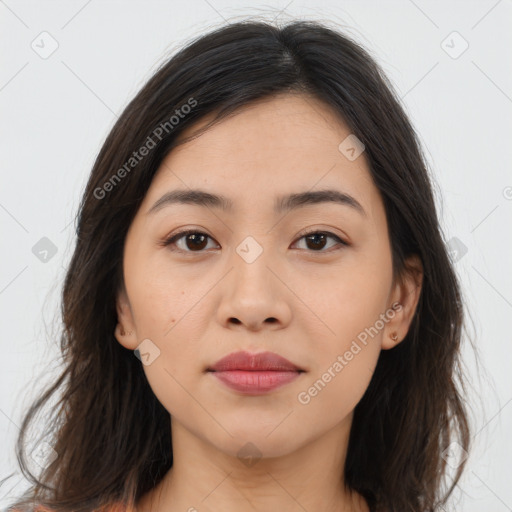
[253,296]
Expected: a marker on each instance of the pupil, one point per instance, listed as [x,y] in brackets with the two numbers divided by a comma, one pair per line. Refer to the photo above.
[195,239]
[310,237]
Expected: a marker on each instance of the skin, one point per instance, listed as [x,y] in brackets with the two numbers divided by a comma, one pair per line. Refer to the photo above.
[197,307]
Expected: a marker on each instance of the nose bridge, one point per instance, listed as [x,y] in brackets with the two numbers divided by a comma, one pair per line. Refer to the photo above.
[250,250]
[251,259]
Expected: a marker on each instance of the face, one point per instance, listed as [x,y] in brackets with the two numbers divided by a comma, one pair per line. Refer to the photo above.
[312,284]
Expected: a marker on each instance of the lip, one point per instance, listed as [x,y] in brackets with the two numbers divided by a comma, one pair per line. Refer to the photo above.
[262,361]
[255,374]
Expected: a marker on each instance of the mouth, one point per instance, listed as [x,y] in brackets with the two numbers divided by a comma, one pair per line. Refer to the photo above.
[254,374]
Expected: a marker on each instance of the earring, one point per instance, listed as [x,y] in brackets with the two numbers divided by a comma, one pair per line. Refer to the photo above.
[394,336]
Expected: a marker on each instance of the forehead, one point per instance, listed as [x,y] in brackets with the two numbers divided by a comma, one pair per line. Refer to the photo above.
[288,143]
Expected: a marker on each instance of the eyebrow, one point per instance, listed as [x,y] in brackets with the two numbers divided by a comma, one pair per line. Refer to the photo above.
[282,204]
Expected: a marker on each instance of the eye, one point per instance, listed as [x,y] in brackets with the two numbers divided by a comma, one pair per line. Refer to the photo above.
[192,239]
[317,239]
[196,241]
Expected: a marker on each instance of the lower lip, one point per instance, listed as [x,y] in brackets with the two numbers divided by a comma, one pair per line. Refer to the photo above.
[255,382]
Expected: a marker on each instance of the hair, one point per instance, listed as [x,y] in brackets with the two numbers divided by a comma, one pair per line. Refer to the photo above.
[110,432]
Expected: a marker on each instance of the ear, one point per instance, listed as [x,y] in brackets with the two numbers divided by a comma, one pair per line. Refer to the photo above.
[125,332]
[403,301]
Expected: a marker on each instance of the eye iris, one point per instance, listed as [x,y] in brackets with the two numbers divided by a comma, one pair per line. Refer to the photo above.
[314,237]
[197,243]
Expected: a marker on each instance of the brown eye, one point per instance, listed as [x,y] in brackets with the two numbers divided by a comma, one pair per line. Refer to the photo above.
[316,240]
[193,241]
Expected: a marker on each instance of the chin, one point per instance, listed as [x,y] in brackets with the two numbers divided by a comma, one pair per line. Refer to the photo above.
[253,442]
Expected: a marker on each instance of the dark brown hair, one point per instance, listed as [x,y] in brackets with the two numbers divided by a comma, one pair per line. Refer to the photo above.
[111,434]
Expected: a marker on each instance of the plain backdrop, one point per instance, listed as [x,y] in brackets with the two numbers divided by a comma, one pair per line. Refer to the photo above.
[70,67]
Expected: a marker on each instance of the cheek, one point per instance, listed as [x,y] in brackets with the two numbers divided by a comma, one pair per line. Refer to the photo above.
[342,370]
[330,398]
[348,304]
[347,345]
[163,295]
[363,289]
[170,388]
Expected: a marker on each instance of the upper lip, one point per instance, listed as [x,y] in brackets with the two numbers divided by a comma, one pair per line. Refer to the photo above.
[262,361]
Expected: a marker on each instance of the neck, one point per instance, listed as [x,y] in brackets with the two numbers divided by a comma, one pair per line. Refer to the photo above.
[204,479]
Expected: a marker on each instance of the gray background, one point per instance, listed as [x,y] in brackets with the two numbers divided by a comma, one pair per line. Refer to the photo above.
[57,109]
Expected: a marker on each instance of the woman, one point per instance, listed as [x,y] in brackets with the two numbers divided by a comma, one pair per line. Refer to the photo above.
[260,312]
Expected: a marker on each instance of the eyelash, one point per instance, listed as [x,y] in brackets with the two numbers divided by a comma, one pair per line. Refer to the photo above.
[174,238]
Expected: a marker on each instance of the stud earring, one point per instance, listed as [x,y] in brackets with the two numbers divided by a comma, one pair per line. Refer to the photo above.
[394,336]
